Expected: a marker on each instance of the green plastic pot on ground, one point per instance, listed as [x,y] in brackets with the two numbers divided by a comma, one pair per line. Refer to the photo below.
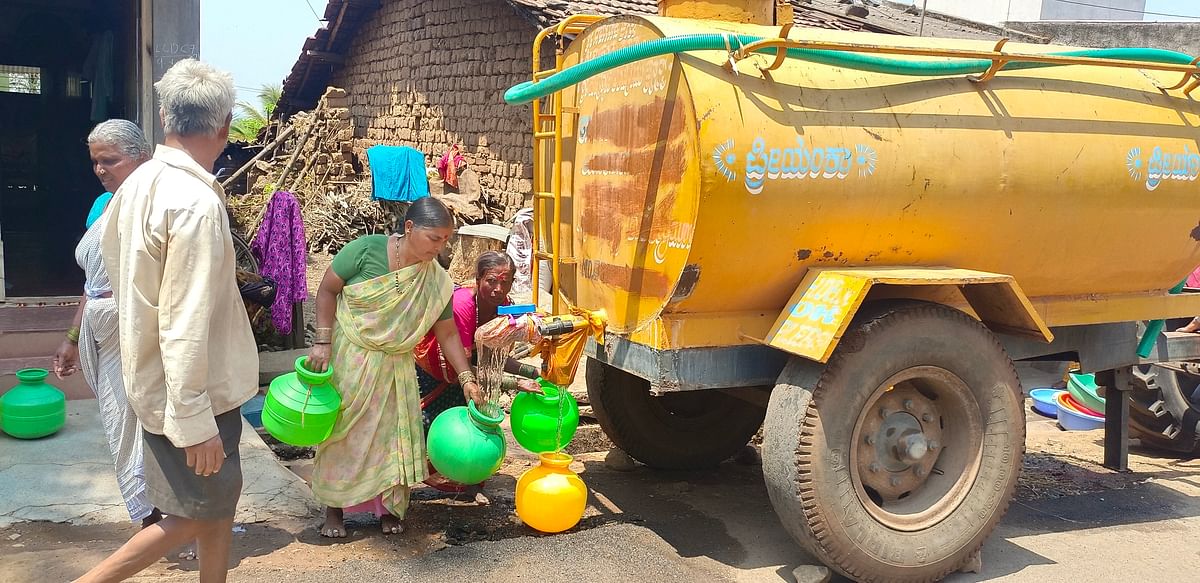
[301,407]
[547,422]
[32,409]
[466,445]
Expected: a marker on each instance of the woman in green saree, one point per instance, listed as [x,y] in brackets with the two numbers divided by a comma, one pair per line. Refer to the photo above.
[385,293]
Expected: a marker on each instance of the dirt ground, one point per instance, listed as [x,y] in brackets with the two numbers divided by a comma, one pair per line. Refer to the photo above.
[1058,464]
[318,263]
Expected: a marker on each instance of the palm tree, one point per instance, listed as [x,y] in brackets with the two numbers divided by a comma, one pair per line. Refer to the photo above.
[250,119]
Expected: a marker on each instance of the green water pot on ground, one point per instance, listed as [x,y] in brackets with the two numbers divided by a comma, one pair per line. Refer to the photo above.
[465,444]
[33,408]
[547,422]
[301,407]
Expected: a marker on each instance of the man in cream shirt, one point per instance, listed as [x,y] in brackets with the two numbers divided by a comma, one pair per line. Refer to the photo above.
[190,359]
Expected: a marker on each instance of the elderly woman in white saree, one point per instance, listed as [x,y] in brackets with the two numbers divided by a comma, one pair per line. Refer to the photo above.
[117,148]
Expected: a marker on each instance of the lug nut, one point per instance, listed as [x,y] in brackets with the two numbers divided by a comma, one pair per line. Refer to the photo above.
[908,405]
[933,445]
[870,440]
[874,467]
[884,412]
[927,418]
[920,472]
[895,481]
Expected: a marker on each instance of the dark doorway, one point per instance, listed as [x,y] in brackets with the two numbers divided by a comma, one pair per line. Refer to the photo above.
[65,65]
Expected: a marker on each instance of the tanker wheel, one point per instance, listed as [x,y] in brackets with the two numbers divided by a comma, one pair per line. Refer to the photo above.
[893,462]
[677,431]
[1164,408]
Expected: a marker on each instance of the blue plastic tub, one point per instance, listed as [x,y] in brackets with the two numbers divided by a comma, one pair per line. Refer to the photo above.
[1044,401]
[252,410]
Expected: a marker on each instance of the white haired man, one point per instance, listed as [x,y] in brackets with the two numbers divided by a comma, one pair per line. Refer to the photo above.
[190,360]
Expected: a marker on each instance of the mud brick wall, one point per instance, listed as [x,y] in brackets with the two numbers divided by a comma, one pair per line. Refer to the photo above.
[431,73]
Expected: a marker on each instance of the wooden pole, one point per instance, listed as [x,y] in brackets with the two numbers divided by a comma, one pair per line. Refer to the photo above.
[307,166]
[267,149]
[287,169]
[296,152]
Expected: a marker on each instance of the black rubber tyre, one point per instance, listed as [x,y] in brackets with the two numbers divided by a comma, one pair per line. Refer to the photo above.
[1163,413]
[243,257]
[821,460]
[677,431]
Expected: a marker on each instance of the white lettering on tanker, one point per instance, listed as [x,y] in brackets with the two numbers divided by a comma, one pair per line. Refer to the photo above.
[648,77]
[677,236]
[798,163]
[1162,166]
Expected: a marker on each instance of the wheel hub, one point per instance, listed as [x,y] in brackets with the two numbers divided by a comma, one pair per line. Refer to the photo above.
[917,448]
[901,443]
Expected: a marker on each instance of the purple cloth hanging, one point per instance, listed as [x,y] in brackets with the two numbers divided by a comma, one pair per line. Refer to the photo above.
[280,249]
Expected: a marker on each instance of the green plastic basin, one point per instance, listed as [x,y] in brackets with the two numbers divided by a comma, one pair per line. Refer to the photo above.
[1083,388]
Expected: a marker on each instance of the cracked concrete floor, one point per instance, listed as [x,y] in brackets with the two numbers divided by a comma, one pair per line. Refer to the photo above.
[69,478]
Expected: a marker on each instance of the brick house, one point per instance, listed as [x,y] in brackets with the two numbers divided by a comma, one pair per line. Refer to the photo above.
[430,73]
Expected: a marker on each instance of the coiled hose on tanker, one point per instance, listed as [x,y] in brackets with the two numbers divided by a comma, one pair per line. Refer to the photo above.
[529,90]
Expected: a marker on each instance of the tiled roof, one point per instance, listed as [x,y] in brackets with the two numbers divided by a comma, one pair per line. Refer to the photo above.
[547,12]
[324,51]
[908,21]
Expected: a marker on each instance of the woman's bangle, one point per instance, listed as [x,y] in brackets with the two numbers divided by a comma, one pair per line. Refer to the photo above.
[508,383]
[323,336]
[73,335]
[465,377]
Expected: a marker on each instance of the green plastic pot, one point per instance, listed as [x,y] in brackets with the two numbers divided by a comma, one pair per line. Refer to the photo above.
[547,422]
[33,408]
[466,445]
[301,407]
[1083,388]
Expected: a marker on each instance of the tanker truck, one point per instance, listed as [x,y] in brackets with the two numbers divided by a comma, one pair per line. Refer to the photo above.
[848,239]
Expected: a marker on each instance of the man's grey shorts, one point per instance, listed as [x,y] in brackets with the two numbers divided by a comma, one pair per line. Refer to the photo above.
[176,490]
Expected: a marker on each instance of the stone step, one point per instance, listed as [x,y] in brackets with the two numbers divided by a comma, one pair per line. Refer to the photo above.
[36,318]
[273,364]
[27,344]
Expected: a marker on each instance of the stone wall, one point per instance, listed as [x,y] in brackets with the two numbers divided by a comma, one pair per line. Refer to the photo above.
[429,73]
[1175,36]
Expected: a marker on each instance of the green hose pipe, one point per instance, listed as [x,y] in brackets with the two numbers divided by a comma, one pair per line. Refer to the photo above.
[1153,329]
[530,90]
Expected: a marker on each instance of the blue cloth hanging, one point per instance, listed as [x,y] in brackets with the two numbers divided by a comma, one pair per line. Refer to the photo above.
[397,173]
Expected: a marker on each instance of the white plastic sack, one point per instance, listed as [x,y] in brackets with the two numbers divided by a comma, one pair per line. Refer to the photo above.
[520,249]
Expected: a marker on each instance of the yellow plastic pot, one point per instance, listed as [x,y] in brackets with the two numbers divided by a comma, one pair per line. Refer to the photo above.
[550,497]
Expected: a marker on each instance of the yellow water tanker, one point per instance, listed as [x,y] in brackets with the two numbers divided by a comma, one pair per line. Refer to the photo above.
[847,240]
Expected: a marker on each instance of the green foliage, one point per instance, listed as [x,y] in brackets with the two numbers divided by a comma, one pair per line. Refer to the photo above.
[249,119]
